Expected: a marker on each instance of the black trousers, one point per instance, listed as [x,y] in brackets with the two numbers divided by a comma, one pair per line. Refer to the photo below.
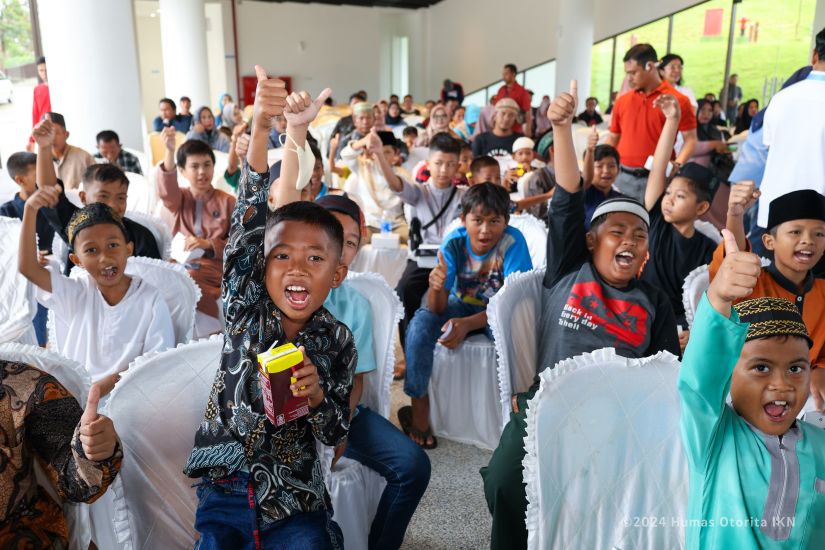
[411,289]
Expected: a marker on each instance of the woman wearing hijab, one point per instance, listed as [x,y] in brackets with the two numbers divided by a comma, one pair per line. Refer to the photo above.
[439,122]
[205,130]
[743,122]
[394,117]
[710,140]
[542,122]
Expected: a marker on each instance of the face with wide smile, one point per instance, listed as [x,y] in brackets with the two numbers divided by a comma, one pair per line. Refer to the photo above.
[102,251]
[771,382]
[302,266]
[619,247]
[797,247]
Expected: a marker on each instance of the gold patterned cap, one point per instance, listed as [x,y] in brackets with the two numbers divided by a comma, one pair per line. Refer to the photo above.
[769,317]
[93,214]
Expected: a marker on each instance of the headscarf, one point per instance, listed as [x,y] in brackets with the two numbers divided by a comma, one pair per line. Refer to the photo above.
[228,115]
[542,122]
[394,120]
[198,119]
[744,122]
[708,131]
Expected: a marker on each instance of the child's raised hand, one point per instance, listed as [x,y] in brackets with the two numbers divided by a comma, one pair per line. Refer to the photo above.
[438,275]
[373,143]
[238,130]
[307,383]
[300,108]
[743,195]
[169,135]
[669,106]
[242,145]
[43,133]
[45,197]
[736,278]
[270,99]
[593,139]
[97,433]
[563,108]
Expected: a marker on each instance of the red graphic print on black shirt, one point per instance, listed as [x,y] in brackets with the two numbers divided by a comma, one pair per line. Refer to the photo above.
[587,307]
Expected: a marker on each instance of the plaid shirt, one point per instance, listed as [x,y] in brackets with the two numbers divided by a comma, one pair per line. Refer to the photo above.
[126,160]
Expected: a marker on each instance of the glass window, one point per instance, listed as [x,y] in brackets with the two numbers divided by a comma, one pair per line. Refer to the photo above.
[541,80]
[600,72]
[492,90]
[476,98]
[654,33]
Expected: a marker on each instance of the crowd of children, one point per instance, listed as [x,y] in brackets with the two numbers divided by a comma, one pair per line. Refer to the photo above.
[271,262]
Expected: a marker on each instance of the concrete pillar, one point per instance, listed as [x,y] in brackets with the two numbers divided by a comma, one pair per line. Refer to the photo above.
[183,39]
[819,19]
[574,45]
[94,77]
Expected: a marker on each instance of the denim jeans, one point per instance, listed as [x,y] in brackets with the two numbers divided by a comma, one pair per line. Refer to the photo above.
[40,325]
[377,444]
[422,335]
[227,518]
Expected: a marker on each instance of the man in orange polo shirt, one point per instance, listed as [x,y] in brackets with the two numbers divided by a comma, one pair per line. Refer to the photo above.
[636,124]
[517,93]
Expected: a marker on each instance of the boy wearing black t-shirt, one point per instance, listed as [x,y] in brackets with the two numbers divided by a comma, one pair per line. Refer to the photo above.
[591,299]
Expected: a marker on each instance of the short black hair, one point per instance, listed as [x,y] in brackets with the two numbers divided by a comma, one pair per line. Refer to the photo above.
[309,213]
[596,99]
[169,102]
[19,163]
[185,98]
[107,136]
[408,96]
[41,60]
[104,173]
[511,67]
[443,142]
[603,151]
[360,95]
[820,45]
[315,152]
[491,198]
[641,54]
[394,96]
[193,147]
[465,146]
[58,119]
[409,131]
[665,61]
[700,189]
[484,161]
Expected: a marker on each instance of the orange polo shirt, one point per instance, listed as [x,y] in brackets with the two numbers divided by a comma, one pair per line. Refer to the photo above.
[640,123]
[810,299]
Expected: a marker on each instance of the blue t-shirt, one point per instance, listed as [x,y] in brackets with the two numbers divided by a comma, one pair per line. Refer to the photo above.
[351,308]
[592,199]
[475,279]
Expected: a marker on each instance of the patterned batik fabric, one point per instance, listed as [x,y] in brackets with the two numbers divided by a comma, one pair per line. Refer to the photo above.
[235,434]
[40,419]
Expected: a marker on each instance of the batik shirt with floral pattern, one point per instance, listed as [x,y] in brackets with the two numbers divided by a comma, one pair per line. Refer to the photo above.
[40,419]
[235,435]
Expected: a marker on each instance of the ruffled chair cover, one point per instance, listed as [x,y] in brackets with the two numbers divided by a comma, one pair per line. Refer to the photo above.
[708,230]
[696,283]
[604,455]
[142,195]
[74,378]
[513,314]
[156,407]
[535,233]
[389,263]
[17,304]
[161,232]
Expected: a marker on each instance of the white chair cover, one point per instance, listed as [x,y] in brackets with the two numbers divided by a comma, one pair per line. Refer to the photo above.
[464,393]
[7,187]
[161,232]
[153,505]
[709,230]
[17,304]
[696,283]
[355,491]
[513,314]
[141,196]
[603,447]
[75,379]
[389,263]
[535,233]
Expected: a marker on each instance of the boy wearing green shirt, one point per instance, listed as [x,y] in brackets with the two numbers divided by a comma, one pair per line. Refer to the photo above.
[757,475]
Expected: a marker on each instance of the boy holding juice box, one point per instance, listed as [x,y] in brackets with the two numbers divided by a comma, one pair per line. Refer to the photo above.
[262,481]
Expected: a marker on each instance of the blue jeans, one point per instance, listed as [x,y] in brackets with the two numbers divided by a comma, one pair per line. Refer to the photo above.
[40,328]
[377,444]
[422,335]
[227,518]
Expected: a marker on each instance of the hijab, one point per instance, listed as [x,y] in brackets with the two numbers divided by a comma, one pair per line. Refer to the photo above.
[708,131]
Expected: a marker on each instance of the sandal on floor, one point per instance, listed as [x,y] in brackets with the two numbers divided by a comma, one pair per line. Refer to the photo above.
[405,419]
[399,372]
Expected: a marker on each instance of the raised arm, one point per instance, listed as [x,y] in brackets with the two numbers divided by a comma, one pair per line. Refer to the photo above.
[743,195]
[300,111]
[688,146]
[28,261]
[43,135]
[561,113]
[233,161]
[590,158]
[270,99]
[374,147]
[658,176]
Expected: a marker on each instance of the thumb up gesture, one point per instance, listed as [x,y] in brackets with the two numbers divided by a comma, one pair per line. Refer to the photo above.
[270,99]
[563,108]
[301,109]
[736,278]
[97,433]
[438,276]
[593,139]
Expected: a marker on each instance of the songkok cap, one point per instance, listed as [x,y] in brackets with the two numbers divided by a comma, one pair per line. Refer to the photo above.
[523,143]
[622,204]
[805,204]
[387,138]
[768,317]
[93,214]
[506,103]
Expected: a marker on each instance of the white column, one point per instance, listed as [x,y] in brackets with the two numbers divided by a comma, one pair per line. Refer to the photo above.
[819,19]
[94,79]
[183,39]
[574,44]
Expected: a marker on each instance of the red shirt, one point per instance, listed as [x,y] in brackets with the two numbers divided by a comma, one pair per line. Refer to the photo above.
[640,123]
[41,104]
[518,94]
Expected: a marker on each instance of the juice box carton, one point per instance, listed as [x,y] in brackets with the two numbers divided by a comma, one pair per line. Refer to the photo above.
[275,372]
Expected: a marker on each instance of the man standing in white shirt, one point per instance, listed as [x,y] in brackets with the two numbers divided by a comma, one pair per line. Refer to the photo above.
[794,132]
